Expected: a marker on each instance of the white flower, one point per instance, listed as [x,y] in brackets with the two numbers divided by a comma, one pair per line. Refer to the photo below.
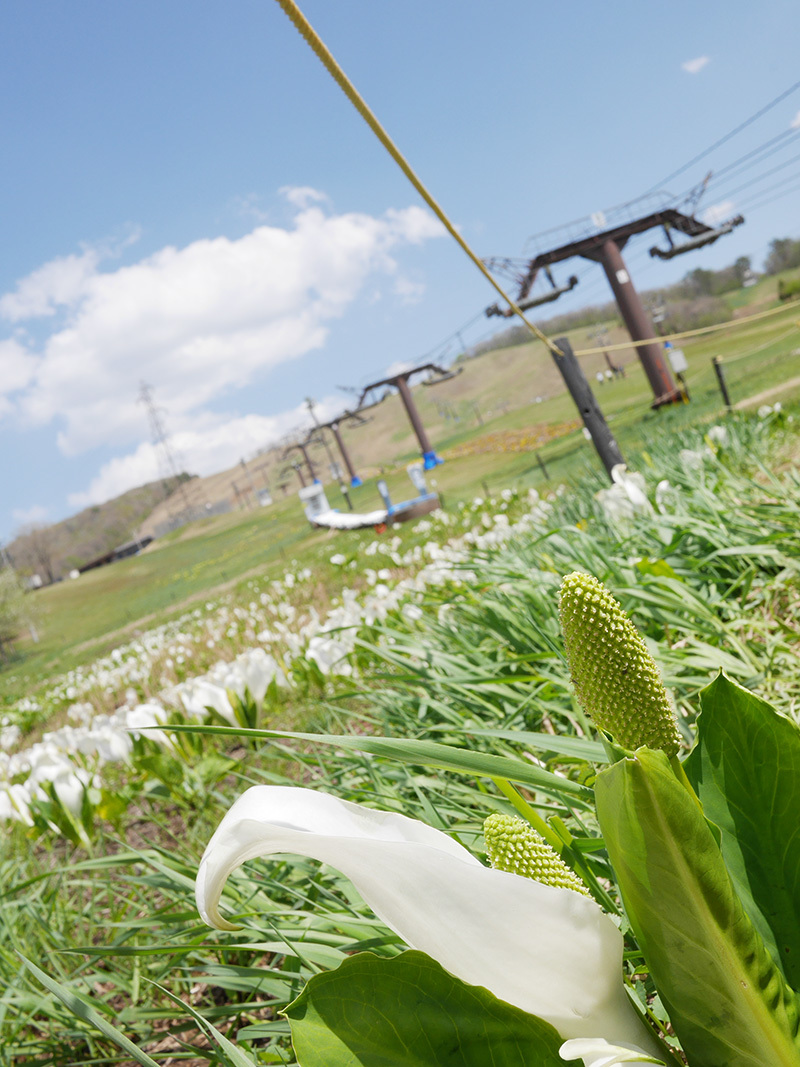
[199,694]
[595,1052]
[549,951]
[9,735]
[626,498]
[691,460]
[718,435]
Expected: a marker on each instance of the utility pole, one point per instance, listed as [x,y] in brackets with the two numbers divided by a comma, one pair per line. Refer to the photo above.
[593,419]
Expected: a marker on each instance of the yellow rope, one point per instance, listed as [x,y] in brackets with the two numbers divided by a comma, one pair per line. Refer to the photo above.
[732,324]
[305,29]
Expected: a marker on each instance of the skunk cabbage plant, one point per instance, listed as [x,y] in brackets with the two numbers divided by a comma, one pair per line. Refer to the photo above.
[517,964]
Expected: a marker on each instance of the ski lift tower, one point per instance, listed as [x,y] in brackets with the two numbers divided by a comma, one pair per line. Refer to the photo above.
[604,246]
[400,383]
[334,425]
[302,446]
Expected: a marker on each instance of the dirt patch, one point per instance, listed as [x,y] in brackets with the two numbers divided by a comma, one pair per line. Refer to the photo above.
[768,394]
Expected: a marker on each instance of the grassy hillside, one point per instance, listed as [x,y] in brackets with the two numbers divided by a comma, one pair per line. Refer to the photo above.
[59,548]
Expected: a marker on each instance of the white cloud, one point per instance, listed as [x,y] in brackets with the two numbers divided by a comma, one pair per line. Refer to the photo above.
[409,291]
[17,367]
[195,322]
[26,516]
[215,443]
[717,213]
[302,196]
[61,283]
[694,66]
[398,367]
[795,123]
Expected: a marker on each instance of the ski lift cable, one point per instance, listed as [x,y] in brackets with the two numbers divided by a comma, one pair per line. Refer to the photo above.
[311,37]
[776,143]
[761,177]
[758,193]
[764,151]
[771,200]
[722,140]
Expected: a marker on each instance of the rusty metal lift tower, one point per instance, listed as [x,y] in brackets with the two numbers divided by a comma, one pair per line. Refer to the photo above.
[334,425]
[400,383]
[605,247]
[302,446]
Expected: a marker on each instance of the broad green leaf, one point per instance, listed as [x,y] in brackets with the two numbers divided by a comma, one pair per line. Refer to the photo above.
[727,1000]
[409,1012]
[746,771]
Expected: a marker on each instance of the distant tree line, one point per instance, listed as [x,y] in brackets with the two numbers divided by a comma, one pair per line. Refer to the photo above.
[53,551]
[784,254]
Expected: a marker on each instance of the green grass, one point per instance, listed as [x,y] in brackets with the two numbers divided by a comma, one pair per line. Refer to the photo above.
[713,581]
[82,619]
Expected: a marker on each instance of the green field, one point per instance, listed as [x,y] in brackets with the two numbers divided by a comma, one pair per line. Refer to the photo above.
[79,620]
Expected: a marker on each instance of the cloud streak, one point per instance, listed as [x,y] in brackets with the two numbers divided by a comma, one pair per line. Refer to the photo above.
[714,214]
[694,66]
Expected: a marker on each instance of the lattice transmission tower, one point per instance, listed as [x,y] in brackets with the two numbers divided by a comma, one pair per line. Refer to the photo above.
[169,460]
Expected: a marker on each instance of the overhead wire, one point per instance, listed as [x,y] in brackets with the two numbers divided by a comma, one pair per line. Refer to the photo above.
[745,162]
[723,140]
[763,192]
[761,177]
[756,206]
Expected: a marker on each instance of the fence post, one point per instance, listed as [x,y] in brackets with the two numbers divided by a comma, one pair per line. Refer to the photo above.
[723,388]
[593,419]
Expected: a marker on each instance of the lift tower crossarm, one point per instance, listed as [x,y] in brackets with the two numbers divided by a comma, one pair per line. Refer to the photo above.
[590,247]
[395,378]
[605,247]
[537,301]
[695,242]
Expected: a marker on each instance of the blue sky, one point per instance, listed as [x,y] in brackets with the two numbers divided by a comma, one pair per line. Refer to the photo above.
[189,199]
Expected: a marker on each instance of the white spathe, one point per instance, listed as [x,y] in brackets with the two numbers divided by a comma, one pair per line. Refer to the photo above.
[551,952]
[626,498]
[595,1052]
